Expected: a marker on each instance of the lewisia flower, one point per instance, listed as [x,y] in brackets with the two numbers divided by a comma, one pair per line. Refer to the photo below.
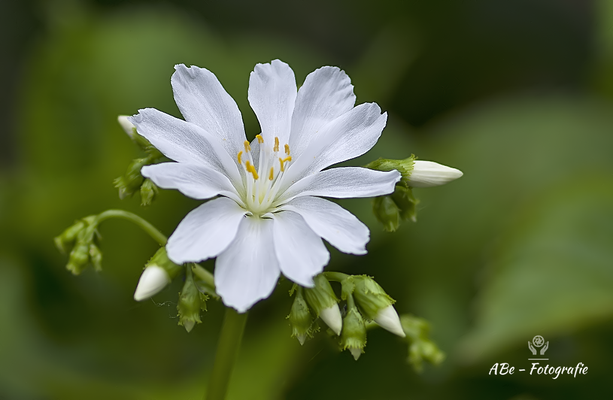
[266,216]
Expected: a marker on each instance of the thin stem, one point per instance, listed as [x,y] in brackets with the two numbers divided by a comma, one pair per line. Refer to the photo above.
[143,224]
[227,353]
[158,236]
[335,276]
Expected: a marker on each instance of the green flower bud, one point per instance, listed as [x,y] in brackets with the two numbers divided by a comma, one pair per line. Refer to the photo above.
[79,258]
[405,167]
[300,318]
[370,296]
[353,337]
[132,180]
[191,301]
[421,347]
[95,257]
[324,303]
[405,202]
[139,140]
[386,211]
[418,173]
[148,191]
[67,238]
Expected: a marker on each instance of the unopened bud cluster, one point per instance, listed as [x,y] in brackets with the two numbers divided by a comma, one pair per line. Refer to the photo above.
[421,347]
[366,301]
[132,181]
[80,241]
[401,205]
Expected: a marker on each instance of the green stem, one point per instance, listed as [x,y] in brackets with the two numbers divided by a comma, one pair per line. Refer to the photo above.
[158,236]
[335,276]
[227,353]
[143,224]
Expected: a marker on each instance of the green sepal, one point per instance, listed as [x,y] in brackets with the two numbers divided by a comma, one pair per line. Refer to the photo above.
[82,236]
[421,347]
[190,303]
[300,317]
[160,259]
[405,166]
[148,192]
[370,296]
[387,212]
[353,336]
[321,296]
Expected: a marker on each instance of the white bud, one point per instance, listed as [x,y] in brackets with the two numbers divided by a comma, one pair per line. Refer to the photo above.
[127,126]
[387,318]
[429,173]
[152,281]
[332,317]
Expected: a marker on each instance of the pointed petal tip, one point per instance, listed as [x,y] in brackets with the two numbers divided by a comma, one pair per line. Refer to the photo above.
[356,353]
[388,319]
[332,317]
[152,281]
[189,325]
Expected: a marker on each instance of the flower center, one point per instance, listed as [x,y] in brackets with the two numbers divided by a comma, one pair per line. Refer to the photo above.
[262,184]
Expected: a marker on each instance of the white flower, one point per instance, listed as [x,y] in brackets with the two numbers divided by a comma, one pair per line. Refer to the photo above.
[430,173]
[268,217]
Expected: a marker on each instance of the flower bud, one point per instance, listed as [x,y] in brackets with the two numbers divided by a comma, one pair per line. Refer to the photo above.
[132,180]
[386,211]
[159,272]
[417,173]
[79,258]
[421,347]
[353,337]
[429,173]
[95,257]
[67,238]
[148,191]
[151,282]
[324,303]
[139,140]
[388,319]
[127,126]
[332,317]
[191,301]
[376,304]
[300,318]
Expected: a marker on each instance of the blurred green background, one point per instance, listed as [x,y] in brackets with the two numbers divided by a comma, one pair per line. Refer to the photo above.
[517,94]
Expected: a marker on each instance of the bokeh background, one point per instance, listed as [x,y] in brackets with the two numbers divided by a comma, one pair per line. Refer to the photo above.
[517,94]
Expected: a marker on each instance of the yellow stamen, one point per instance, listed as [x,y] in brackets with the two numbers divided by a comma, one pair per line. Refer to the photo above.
[276,148]
[271,176]
[283,160]
[260,139]
[287,149]
[247,146]
[240,154]
[251,169]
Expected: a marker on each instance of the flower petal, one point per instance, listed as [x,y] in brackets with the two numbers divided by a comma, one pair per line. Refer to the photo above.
[326,94]
[184,142]
[195,181]
[347,182]
[206,231]
[300,251]
[348,136]
[332,222]
[272,93]
[248,270]
[203,101]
